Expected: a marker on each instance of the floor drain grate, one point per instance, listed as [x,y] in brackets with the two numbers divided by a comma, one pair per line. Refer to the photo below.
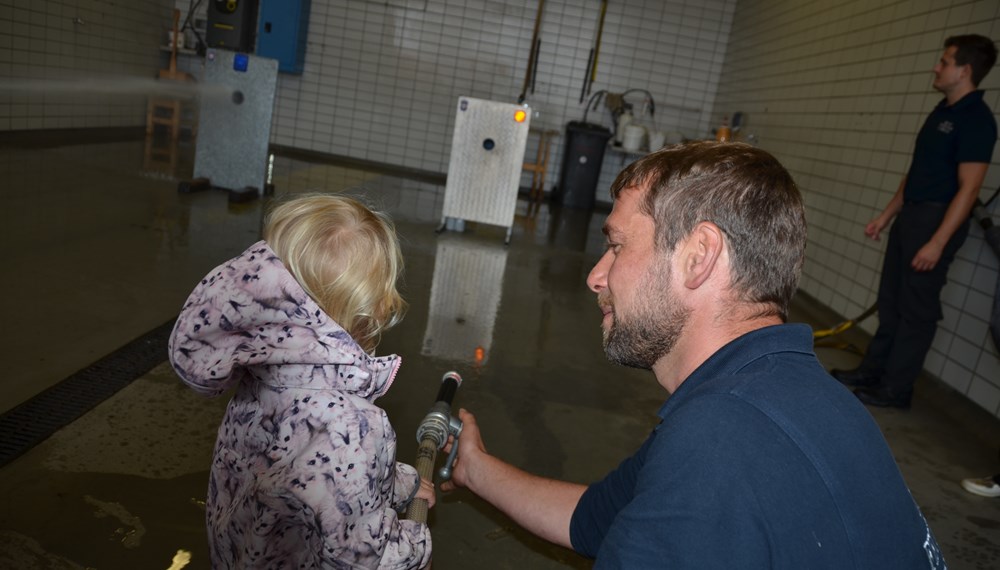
[34,420]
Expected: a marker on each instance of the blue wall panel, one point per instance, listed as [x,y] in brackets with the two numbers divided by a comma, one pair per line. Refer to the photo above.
[284,25]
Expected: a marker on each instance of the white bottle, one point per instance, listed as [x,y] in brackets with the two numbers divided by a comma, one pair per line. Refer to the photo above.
[624,120]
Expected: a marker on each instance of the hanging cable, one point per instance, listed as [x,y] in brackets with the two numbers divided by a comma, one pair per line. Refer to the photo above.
[192,7]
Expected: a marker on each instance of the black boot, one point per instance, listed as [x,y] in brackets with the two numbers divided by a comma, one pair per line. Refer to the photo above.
[881,398]
[856,378]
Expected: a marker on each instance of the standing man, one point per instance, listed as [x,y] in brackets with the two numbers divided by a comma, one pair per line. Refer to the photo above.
[931,208]
[761,460]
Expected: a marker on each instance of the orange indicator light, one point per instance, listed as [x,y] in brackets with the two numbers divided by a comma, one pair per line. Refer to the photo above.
[520,116]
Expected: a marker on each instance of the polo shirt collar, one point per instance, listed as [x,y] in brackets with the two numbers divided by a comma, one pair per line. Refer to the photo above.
[739,353]
[970,99]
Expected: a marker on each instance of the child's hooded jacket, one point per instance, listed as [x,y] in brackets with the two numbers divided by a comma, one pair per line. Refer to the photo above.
[304,469]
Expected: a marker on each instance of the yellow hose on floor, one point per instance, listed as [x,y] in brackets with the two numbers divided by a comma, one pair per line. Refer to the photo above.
[819,335]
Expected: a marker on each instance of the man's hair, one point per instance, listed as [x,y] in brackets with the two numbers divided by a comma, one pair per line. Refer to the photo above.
[346,257]
[746,193]
[976,51]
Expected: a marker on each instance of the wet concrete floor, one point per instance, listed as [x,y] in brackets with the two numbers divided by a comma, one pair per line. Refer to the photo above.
[100,251]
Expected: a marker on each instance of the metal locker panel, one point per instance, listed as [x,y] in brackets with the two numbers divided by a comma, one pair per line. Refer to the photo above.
[282,32]
[234,130]
[487,155]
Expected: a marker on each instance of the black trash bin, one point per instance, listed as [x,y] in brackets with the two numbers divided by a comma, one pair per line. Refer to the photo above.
[581,166]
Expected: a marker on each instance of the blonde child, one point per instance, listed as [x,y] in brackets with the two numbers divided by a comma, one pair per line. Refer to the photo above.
[304,473]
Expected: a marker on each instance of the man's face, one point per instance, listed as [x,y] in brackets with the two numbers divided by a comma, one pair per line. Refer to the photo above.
[947,73]
[642,316]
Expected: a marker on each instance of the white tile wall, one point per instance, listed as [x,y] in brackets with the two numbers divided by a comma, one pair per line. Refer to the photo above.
[73,40]
[381,79]
[837,89]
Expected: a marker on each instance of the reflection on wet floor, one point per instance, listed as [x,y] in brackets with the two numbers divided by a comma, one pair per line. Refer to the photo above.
[100,253]
[465,297]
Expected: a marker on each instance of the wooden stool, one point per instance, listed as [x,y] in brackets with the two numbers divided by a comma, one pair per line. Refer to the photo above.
[167,112]
[541,164]
[164,112]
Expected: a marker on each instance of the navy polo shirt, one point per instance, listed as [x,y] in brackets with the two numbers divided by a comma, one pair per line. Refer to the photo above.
[762,460]
[963,132]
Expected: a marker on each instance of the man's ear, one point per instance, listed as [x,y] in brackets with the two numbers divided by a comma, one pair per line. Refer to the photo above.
[700,254]
[967,71]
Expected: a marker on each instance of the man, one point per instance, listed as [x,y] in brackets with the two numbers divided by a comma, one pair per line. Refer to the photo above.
[931,208]
[761,460]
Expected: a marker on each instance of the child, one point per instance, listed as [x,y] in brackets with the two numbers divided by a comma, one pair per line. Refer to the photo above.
[304,473]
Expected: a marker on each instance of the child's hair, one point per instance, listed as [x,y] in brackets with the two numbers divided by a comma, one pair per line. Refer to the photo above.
[346,257]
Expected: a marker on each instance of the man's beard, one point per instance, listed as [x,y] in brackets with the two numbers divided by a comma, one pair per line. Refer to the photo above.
[652,330]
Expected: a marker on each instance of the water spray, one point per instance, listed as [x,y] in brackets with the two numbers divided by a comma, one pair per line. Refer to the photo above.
[124,85]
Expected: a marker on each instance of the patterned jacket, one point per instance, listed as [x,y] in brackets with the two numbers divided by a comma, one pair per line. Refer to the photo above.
[304,473]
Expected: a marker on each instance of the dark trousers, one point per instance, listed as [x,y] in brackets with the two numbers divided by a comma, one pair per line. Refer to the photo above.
[909,302]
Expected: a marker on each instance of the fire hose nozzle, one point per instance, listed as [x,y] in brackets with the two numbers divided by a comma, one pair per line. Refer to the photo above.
[439,423]
[435,425]
[455,429]
[432,435]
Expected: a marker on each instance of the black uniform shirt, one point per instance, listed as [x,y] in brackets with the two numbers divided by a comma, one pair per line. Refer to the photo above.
[963,132]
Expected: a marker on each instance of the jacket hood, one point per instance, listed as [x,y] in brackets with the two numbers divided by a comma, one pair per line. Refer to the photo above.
[250,316]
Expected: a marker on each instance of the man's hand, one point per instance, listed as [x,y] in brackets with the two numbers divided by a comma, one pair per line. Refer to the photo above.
[875,227]
[470,447]
[541,505]
[970,180]
[927,258]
